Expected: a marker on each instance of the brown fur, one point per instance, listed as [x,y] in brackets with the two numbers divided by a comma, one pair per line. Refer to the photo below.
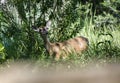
[62,49]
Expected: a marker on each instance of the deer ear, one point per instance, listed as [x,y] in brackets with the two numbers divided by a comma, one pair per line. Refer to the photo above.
[48,24]
[35,29]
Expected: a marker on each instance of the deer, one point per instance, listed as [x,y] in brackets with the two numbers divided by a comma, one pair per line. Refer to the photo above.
[61,49]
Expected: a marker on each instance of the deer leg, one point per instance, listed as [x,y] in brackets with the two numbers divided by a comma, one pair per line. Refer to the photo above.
[57,56]
[64,57]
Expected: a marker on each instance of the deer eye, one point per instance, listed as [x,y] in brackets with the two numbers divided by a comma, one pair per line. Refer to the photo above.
[40,29]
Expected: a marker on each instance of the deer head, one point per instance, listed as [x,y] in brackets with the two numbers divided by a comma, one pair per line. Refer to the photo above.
[43,31]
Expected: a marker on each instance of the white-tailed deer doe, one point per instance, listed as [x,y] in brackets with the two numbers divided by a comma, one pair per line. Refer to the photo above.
[61,49]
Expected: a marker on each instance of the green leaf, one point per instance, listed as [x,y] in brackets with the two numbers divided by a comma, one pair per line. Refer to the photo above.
[1,47]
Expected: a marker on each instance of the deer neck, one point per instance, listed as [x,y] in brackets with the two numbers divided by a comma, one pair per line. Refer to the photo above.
[47,43]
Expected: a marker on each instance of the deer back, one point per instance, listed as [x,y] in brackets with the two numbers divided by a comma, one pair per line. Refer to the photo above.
[76,45]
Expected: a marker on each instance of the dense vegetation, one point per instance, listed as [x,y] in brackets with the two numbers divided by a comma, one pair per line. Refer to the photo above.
[98,20]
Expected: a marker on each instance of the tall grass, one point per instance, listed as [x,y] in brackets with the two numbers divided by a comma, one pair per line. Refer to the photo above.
[104,46]
[20,42]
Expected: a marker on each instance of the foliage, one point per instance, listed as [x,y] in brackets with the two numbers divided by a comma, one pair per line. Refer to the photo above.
[2,53]
[98,21]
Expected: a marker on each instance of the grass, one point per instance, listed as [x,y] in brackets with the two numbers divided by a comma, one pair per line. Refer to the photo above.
[103,48]
[104,44]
